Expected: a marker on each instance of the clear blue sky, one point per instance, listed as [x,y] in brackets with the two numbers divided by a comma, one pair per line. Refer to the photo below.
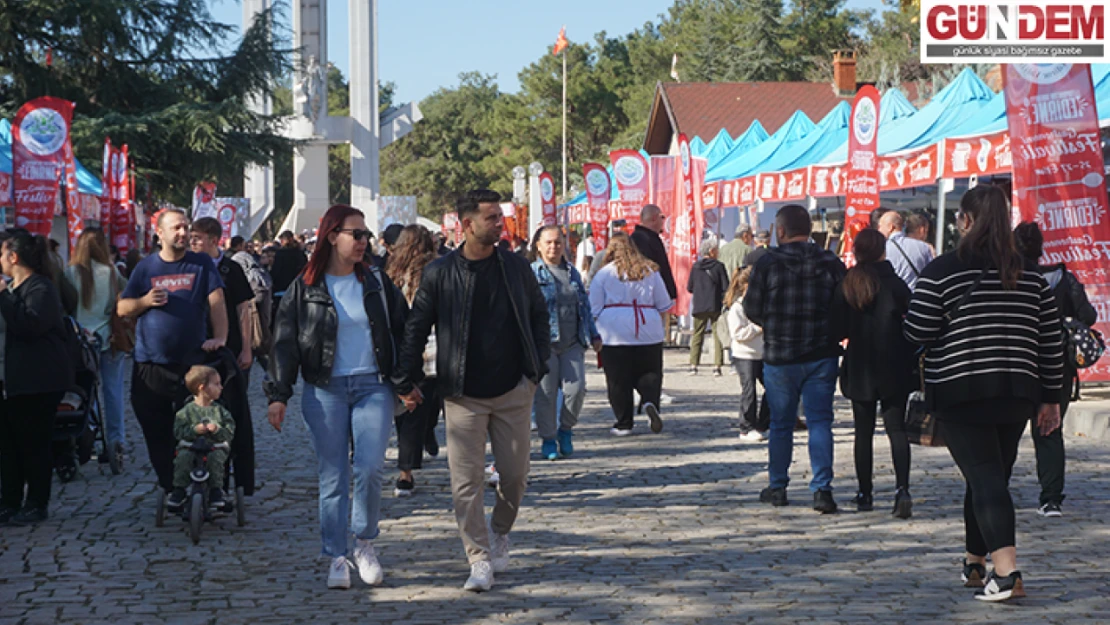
[426,44]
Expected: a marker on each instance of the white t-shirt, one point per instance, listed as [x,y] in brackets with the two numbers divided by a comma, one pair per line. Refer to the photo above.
[585,248]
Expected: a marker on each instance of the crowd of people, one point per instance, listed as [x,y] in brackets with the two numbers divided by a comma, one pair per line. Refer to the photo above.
[388,334]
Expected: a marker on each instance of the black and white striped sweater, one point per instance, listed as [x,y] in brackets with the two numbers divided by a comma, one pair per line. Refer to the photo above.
[1000,344]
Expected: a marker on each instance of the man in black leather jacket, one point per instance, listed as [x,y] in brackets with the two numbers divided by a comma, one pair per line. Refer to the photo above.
[492,341]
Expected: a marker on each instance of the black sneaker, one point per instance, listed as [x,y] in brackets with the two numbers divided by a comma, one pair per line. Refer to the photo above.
[6,513]
[216,498]
[404,488]
[1051,510]
[29,515]
[864,502]
[903,504]
[774,496]
[431,445]
[800,425]
[823,502]
[653,417]
[999,588]
[973,575]
[176,501]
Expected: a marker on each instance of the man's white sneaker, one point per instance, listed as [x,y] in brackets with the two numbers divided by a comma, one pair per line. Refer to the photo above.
[481,577]
[752,436]
[620,432]
[339,575]
[492,476]
[499,551]
[369,569]
[665,399]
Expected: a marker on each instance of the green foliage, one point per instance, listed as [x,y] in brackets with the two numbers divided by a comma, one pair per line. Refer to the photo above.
[133,70]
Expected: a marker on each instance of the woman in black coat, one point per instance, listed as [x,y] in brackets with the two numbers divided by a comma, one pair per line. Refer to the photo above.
[37,371]
[867,309]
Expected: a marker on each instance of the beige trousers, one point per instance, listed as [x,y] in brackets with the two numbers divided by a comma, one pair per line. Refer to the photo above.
[506,420]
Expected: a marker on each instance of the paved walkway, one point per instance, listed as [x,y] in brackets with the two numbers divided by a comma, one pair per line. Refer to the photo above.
[647,529]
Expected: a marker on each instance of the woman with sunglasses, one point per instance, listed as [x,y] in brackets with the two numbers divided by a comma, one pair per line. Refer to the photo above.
[339,324]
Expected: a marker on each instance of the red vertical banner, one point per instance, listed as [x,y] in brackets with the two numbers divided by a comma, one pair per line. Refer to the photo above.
[1059,176]
[107,189]
[598,190]
[204,200]
[74,220]
[684,240]
[547,199]
[863,166]
[632,175]
[663,188]
[40,133]
[121,209]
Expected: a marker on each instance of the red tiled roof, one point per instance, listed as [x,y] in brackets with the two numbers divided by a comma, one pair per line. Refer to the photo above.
[703,109]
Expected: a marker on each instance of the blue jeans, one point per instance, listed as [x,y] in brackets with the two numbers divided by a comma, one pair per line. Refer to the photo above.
[112,365]
[814,383]
[358,407]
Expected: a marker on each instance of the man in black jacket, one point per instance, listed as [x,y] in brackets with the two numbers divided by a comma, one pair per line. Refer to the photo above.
[708,282]
[646,239]
[492,341]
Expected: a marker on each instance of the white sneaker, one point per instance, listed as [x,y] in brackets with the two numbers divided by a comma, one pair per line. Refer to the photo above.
[499,551]
[620,432]
[481,577]
[665,399]
[493,478]
[339,575]
[752,436]
[369,569]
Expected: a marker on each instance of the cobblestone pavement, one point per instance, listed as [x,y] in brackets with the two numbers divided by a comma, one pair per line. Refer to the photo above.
[647,529]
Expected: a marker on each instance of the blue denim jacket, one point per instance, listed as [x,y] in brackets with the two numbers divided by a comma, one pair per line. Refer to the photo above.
[587,332]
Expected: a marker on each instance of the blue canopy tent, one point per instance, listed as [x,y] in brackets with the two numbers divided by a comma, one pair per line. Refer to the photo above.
[755,134]
[698,147]
[86,182]
[829,133]
[740,163]
[962,98]
[894,106]
[718,147]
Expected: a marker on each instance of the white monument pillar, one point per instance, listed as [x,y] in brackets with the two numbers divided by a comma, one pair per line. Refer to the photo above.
[258,182]
[365,120]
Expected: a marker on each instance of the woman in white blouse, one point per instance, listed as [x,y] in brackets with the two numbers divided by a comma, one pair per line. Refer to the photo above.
[626,297]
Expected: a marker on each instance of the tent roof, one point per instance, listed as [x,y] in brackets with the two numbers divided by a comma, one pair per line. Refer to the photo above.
[698,146]
[829,133]
[962,98]
[738,163]
[86,181]
[718,147]
[894,106]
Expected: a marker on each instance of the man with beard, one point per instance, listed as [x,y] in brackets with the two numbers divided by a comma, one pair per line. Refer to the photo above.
[173,294]
[493,341]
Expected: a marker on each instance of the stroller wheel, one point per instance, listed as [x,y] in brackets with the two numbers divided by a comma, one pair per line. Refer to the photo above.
[115,458]
[240,516]
[160,513]
[196,516]
[66,472]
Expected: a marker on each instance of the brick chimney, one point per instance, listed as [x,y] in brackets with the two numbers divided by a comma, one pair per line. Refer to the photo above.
[844,73]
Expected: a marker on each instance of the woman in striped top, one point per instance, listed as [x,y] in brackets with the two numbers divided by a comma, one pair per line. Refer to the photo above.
[994,361]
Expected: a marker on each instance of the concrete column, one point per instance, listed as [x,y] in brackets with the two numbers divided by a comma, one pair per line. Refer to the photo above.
[365,122]
[310,184]
[258,182]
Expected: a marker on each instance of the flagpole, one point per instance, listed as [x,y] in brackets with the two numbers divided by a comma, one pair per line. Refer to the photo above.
[565,126]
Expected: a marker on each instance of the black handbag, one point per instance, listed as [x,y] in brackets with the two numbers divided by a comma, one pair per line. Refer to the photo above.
[922,428]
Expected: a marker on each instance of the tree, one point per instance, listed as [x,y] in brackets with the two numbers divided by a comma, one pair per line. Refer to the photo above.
[134,71]
[759,54]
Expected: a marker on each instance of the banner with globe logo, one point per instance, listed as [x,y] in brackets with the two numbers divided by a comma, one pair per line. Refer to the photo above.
[598,190]
[863,165]
[547,197]
[630,170]
[40,131]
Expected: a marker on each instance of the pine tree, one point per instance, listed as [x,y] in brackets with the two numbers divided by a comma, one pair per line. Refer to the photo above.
[759,55]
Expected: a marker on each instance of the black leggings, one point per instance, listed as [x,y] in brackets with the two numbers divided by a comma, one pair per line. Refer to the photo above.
[628,368]
[25,449]
[985,452]
[894,422]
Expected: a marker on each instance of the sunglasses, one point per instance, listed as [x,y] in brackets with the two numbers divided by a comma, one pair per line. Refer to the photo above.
[358,234]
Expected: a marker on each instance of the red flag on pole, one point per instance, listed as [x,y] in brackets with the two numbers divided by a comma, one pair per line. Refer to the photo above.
[40,133]
[863,166]
[561,42]
[74,222]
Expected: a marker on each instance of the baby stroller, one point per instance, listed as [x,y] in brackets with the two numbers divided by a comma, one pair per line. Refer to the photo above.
[78,422]
[196,509]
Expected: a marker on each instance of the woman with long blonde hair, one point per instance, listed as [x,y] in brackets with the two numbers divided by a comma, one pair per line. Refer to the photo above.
[416,431]
[626,296]
[98,286]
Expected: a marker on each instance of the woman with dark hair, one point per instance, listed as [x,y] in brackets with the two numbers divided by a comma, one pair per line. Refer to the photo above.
[626,298]
[37,371]
[1072,302]
[994,362]
[413,249]
[339,324]
[99,286]
[572,332]
[868,309]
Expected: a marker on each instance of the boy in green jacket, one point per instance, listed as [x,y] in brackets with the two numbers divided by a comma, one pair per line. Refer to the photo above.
[201,417]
